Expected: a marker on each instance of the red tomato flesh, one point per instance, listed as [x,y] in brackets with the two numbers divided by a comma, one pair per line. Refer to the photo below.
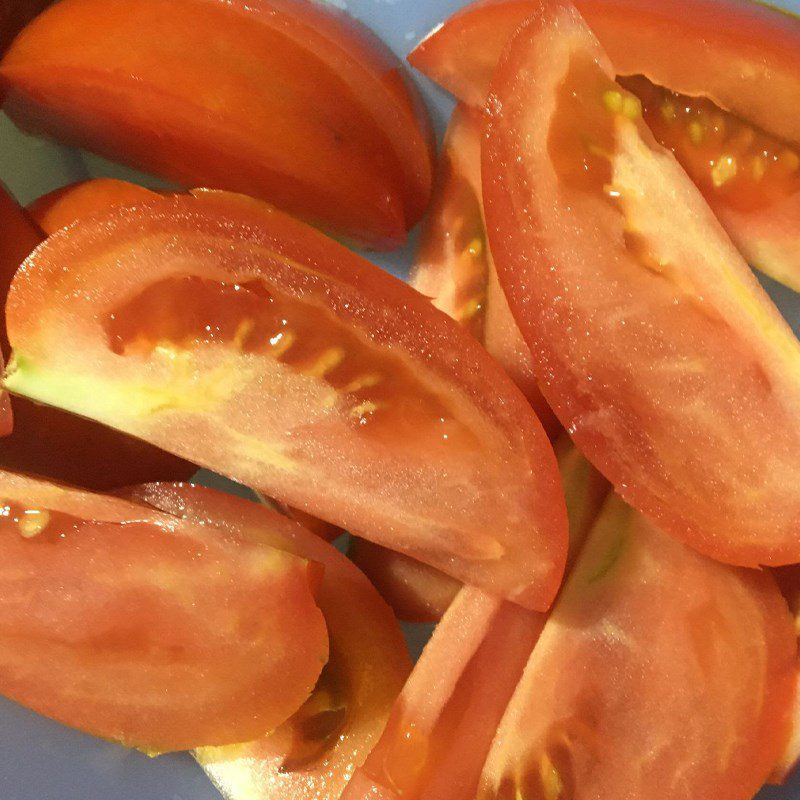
[662,356]
[224,330]
[453,265]
[46,441]
[134,626]
[659,673]
[728,112]
[218,94]
[311,755]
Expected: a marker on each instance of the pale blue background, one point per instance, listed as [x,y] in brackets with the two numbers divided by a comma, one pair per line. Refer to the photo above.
[41,760]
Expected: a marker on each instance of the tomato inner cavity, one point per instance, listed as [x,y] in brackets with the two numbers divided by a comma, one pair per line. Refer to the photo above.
[375,388]
[729,159]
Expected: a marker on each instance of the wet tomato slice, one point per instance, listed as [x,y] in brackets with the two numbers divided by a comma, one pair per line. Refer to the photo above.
[311,756]
[233,335]
[719,82]
[47,441]
[137,627]
[453,265]
[218,94]
[655,345]
[635,689]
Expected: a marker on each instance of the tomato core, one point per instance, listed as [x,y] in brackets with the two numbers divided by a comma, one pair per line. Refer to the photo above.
[377,389]
[728,158]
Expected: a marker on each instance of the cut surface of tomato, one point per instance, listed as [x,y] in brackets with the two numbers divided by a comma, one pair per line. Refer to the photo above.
[453,265]
[218,94]
[415,591]
[662,356]
[47,441]
[137,627]
[312,755]
[443,722]
[61,207]
[659,673]
[726,112]
[246,341]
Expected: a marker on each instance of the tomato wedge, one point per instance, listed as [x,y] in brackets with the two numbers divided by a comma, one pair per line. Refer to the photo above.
[719,80]
[659,673]
[312,755]
[655,345]
[47,441]
[454,267]
[160,634]
[62,207]
[415,591]
[218,94]
[246,341]
[444,721]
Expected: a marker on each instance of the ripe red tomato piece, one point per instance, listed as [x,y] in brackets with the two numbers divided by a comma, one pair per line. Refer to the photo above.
[314,524]
[157,633]
[444,720]
[454,267]
[655,345]
[62,207]
[415,591]
[722,95]
[47,441]
[311,756]
[660,673]
[6,416]
[238,337]
[218,94]
[14,15]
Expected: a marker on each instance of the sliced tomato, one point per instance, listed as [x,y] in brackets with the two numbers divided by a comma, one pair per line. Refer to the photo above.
[720,83]
[312,755]
[789,582]
[62,207]
[137,627]
[454,267]
[246,341]
[314,524]
[444,720]
[659,673]
[218,94]
[415,591]
[14,15]
[6,415]
[47,441]
[655,345]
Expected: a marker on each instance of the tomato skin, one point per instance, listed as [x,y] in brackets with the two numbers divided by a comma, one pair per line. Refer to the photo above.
[166,635]
[633,683]
[61,207]
[415,591]
[743,56]
[47,441]
[453,265]
[224,239]
[368,656]
[444,720]
[14,15]
[164,100]
[675,395]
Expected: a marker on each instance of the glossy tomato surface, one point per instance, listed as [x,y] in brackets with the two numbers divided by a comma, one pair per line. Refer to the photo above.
[50,442]
[661,354]
[639,689]
[310,756]
[219,94]
[265,351]
[38,758]
[721,96]
[144,629]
